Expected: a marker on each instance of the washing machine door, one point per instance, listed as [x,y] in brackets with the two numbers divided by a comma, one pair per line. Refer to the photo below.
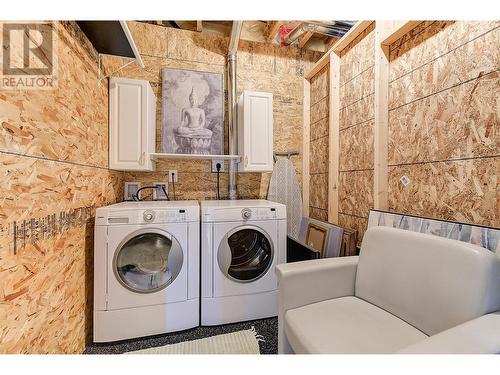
[245,254]
[148,261]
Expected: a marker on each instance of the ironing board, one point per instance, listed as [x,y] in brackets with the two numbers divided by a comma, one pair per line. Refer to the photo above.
[284,188]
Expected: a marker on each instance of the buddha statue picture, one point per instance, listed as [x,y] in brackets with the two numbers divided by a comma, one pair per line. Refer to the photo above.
[192,118]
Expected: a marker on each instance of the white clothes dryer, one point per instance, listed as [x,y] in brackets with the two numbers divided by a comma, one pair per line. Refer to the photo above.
[146,269]
[242,242]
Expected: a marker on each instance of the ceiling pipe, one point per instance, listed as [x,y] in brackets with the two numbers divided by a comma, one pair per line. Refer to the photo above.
[232,106]
[328,28]
[334,28]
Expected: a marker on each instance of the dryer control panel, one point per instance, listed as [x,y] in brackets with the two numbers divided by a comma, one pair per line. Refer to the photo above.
[241,214]
[258,213]
[147,216]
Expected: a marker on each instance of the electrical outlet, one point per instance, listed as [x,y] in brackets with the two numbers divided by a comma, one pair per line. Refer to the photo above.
[158,192]
[214,165]
[172,175]
[405,180]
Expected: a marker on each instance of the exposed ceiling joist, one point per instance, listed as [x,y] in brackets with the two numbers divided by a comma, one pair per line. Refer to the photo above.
[305,38]
[273,30]
[329,42]
[315,36]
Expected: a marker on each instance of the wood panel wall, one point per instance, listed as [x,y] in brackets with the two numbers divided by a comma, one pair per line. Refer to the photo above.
[444,132]
[54,170]
[261,67]
[357,85]
[318,145]
[53,174]
[442,128]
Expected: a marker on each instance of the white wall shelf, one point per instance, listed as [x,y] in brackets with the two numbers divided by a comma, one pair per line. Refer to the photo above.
[157,155]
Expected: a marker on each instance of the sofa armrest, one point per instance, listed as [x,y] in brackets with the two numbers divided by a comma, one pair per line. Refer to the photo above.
[311,281]
[477,336]
[303,283]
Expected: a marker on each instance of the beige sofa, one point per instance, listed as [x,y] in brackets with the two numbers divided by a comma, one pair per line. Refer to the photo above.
[407,292]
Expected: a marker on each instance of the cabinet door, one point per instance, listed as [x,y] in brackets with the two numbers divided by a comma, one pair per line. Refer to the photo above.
[128,124]
[257,132]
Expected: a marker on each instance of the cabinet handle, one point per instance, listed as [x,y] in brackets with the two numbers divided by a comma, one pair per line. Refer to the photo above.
[141,159]
[246,160]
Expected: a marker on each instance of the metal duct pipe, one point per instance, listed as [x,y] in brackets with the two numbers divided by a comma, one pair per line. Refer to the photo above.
[335,28]
[342,24]
[329,31]
[326,27]
[232,107]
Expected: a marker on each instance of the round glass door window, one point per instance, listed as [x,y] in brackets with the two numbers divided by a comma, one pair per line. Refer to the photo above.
[245,255]
[148,261]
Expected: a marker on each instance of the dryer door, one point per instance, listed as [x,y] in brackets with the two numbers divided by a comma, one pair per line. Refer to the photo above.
[245,257]
[245,254]
[148,261]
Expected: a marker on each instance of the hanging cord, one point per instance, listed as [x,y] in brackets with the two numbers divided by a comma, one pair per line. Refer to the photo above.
[137,197]
[164,191]
[218,166]
[173,184]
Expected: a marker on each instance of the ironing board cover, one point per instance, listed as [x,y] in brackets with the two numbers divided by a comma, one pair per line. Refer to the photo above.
[284,188]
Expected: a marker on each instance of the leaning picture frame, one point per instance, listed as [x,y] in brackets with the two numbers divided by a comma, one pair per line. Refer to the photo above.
[316,237]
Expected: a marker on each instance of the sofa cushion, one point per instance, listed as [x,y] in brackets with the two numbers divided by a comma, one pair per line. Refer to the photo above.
[432,283]
[347,325]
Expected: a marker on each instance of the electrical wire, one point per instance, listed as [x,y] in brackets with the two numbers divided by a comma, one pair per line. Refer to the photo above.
[136,196]
[218,166]
[173,184]
[165,192]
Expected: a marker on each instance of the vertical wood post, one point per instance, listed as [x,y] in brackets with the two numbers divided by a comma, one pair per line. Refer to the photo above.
[380,192]
[334,139]
[306,135]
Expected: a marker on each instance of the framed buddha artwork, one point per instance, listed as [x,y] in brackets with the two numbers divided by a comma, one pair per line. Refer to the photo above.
[192,112]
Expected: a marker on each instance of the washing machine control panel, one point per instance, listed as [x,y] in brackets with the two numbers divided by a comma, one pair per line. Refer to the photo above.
[169,216]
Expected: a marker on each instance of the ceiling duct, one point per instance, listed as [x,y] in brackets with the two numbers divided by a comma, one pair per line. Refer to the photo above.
[335,29]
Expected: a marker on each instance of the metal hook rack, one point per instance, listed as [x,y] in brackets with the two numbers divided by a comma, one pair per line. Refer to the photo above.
[288,154]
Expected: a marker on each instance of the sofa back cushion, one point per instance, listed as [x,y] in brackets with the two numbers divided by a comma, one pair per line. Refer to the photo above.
[430,282]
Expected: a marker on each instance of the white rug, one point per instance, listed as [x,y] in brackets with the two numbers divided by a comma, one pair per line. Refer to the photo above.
[240,342]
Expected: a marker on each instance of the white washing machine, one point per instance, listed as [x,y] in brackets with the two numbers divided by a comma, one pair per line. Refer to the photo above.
[146,269]
[242,242]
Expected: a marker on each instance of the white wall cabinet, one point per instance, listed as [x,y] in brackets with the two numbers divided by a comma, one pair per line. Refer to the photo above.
[255,131]
[132,124]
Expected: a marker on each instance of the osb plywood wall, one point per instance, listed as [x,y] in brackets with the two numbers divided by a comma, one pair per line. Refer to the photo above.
[443,124]
[53,174]
[261,67]
[318,146]
[356,131]
[54,171]
[444,130]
